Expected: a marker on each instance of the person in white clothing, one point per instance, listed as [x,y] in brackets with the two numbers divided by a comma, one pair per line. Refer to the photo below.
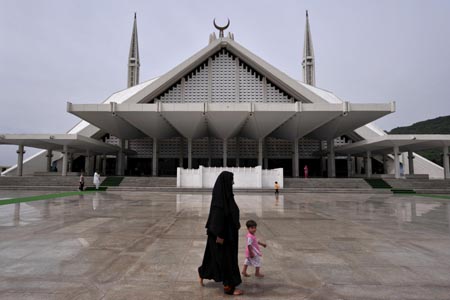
[96,180]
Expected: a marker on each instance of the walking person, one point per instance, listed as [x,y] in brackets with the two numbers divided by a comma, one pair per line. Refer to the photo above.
[277,188]
[96,180]
[305,171]
[253,255]
[220,261]
[81,186]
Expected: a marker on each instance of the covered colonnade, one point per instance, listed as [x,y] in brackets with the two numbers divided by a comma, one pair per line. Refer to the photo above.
[395,145]
[66,144]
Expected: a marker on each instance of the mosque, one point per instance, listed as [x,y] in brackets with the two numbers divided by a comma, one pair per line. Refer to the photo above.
[225,106]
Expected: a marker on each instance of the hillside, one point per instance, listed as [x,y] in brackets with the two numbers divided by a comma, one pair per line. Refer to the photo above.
[440,125]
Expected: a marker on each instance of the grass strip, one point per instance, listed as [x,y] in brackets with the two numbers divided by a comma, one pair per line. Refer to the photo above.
[112,181]
[41,197]
[402,191]
[377,183]
[434,196]
[92,188]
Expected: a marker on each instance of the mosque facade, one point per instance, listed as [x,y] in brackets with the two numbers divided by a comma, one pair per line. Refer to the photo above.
[223,106]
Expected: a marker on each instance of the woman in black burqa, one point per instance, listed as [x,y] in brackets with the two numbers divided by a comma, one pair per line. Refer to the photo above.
[220,261]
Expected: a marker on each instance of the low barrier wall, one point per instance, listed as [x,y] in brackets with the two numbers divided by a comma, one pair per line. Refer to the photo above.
[243,177]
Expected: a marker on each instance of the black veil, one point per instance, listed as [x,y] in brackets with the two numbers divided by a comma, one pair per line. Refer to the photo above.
[224,209]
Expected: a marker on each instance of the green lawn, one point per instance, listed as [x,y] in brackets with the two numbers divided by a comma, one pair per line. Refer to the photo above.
[42,197]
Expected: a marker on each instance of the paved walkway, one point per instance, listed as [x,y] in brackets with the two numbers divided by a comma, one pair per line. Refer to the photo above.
[140,245]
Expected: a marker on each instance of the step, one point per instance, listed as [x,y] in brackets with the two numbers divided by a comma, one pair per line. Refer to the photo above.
[269,191]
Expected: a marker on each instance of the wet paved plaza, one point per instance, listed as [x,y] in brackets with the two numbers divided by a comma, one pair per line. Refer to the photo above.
[141,245]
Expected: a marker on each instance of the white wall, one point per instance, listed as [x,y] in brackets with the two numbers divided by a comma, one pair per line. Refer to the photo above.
[243,177]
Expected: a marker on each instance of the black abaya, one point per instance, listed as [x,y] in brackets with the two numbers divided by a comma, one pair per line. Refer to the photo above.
[220,262]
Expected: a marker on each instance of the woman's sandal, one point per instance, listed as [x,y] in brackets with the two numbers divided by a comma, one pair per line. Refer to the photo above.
[229,290]
[238,292]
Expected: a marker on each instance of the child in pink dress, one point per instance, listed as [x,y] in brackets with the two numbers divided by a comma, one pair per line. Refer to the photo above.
[252,252]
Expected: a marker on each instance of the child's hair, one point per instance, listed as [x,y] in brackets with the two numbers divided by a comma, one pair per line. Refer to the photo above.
[250,223]
[276,181]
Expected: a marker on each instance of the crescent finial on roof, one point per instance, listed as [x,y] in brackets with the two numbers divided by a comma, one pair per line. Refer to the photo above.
[221,28]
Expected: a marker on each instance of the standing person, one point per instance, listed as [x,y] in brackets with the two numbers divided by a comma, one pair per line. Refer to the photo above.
[96,180]
[277,187]
[305,171]
[220,261]
[252,252]
[81,186]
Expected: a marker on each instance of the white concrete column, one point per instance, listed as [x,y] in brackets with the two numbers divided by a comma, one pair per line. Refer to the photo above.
[368,164]
[98,164]
[237,151]
[446,163]
[189,153]
[265,158]
[295,164]
[331,159]
[403,160]
[20,152]
[87,163]
[353,166]
[70,156]
[385,164]
[180,164]
[155,158]
[65,160]
[260,152]
[104,165]
[359,162]
[410,162]
[120,168]
[49,160]
[125,157]
[209,152]
[225,144]
[396,162]
[349,165]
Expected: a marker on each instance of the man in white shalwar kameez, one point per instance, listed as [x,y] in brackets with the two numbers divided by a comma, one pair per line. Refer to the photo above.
[96,180]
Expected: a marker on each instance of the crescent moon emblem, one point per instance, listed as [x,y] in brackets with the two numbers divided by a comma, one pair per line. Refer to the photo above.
[221,28]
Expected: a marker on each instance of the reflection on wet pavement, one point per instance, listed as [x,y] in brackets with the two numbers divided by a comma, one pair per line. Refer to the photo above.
[139,245]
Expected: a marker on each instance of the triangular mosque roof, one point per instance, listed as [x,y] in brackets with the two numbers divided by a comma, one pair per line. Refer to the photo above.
[282,80]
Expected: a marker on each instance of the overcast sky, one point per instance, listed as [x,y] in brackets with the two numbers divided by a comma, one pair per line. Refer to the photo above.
[56,51]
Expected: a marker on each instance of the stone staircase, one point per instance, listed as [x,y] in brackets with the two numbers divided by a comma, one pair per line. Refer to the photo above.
[168,184]
[148,182]
[330,185]
[59,183]
[291,185]
[421,186]
[347,183]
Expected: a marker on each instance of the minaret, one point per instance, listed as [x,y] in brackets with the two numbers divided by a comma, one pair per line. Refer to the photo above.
[133,59]
[309,71]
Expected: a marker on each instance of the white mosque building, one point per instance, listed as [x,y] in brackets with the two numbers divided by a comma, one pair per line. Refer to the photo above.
[225,106]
